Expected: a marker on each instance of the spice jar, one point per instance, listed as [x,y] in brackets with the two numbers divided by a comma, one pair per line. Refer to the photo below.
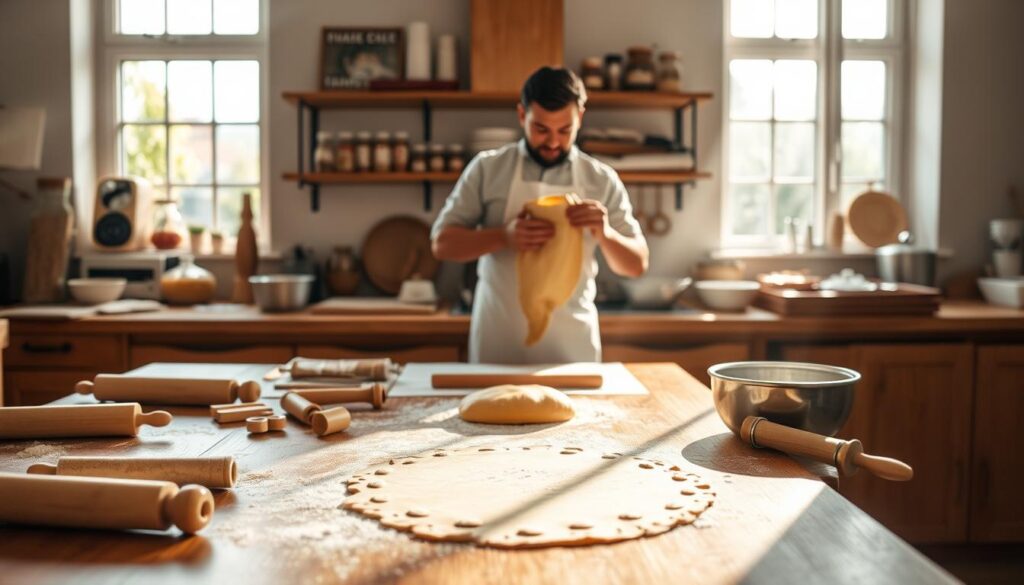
[400,151]
[669,72]
[418,158]
[323,155]
[456,158]
[345,153]
[364,151]
[640,74]
[168,226]
[613,72]
[187,284]
[593,76]
[435,162]
[382,152]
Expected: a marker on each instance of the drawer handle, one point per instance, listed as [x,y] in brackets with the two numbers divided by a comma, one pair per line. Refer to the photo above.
[46,347]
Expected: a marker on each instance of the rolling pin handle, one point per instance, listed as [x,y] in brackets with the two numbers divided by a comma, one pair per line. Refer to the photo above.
[249,391]
[84,387]
[190,509]
[42,469]
[157,418]
[884,467]
[379,395]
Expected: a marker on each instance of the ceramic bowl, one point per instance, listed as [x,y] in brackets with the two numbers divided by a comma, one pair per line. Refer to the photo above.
[96,291]
[727,295]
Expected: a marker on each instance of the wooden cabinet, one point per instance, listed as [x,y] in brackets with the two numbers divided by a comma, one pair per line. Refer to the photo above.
[242,354]
[997,470]
[31,388]
[98,352]
[402,355]
[913,403]
[694,359]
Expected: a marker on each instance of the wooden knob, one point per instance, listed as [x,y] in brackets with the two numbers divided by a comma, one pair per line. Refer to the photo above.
[249,391]
[190,509]
[157,418]
[84,387]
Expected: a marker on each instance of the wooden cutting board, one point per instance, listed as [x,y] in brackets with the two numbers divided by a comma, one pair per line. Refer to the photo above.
[900,299]
[370,306]
[397,249]
[511,40]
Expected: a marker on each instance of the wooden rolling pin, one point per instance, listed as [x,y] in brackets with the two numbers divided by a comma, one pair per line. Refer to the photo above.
[298,406]
[79,420]
[121,388]
[212,472]
[372,393]
[847,456]
[589,381]
[330,421]
[90,502]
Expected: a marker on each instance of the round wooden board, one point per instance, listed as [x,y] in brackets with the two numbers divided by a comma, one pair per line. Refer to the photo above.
[396,249]
[876,218]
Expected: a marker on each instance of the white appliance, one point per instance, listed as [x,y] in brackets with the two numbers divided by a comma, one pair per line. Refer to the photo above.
[142,270]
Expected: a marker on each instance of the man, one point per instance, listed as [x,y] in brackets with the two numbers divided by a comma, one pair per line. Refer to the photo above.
[484,218]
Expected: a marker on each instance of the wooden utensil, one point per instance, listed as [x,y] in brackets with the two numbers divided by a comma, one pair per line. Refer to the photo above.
[876,218]
[638,213]
[659,224]
[230,415]
[388,248]
[371,393]
[330,421]
[589,381]
[847,456]
[118,387]
[299,407]
[246,256]
[89,502]
[212,472]
[79,420]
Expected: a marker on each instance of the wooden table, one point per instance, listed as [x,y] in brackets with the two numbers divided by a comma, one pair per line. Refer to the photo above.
[773,522]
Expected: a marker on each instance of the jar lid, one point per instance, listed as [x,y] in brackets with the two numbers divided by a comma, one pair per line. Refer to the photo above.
[437,148]
[669,56]
[323,135]
[455,148]
[640,50]
[419,147]
[594,62]
[613,58]
[345,135]
[363,135]
[401,135]
[382,135]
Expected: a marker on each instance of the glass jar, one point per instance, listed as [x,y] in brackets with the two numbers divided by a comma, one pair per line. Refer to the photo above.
[640,74]
[591,73]
[323,155]
[435,162]
[382,152]
[400,151]
[345,153]
[169,228]
[364,151]
[456,158]
[188,284]
[613,72]
[418,158]
[669,72]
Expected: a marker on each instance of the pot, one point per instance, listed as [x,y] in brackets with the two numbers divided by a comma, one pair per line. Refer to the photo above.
[904,262]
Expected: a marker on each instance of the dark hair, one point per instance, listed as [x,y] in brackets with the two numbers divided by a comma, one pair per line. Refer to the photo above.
[553,89]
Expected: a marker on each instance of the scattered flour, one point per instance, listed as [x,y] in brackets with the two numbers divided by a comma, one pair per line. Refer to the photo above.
[39,450]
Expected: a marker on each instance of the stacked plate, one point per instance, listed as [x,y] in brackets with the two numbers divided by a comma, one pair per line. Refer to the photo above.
[490,138]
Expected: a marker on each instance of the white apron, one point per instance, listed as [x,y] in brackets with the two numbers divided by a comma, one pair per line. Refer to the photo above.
[498,328]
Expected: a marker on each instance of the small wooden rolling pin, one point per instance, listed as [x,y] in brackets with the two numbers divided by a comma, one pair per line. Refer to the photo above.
[589,381]
[847,456]
[89,502]
[372,393]
[324,422]
[79,420]
[185,391]
[212,472]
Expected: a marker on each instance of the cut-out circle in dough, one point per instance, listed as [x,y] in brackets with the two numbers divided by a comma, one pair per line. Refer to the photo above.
[512,404]
[522,497]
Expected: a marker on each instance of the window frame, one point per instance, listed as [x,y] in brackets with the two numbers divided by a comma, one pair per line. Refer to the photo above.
[828,50]
[117,48]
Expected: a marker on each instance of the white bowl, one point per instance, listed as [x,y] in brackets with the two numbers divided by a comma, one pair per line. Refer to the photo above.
[727,295]
[1005,292]
[96,291]
[654,292]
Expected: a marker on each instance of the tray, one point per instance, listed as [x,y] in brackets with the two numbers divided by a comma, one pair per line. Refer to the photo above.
[889,299]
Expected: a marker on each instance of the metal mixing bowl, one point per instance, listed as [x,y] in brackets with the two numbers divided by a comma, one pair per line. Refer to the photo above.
[812,397]
[281,292]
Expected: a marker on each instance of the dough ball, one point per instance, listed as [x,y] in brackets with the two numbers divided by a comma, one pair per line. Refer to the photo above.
[511,404]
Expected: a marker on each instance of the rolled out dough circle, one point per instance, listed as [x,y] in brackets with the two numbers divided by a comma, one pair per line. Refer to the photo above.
[523,497]
[512,404]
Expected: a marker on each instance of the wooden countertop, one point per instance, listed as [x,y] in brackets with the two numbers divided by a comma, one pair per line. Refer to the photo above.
[772,521]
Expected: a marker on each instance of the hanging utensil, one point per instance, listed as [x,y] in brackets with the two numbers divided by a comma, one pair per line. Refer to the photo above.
[659,224]
[638,212]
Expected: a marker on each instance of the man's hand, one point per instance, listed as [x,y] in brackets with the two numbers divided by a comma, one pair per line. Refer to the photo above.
[528,233]
[592,215]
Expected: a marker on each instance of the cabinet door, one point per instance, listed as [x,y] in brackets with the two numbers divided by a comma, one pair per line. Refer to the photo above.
[694,359]
[254,354]
[402,355]
[33,388]
[997,513]
[100,352]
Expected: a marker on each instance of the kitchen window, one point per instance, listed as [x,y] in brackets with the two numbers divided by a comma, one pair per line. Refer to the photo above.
[185,100]
[813,96]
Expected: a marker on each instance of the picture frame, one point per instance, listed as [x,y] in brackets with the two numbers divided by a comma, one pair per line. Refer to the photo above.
[351,57]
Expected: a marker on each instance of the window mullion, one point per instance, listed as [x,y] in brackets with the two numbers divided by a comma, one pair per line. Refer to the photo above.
[831,118]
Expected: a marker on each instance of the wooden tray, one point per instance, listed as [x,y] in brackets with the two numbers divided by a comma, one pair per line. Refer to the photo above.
[891,299]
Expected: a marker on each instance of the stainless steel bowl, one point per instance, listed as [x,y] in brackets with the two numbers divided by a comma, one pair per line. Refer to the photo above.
[812,397]
[281,292]
[653,292]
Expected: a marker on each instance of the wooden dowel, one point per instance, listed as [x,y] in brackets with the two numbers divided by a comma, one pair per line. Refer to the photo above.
[212,472]
[371,393]
[330,421]
[79,420]
[298,406]
[588,381]
[240,414]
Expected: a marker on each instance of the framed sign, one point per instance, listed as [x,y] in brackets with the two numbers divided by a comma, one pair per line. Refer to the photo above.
[351,57]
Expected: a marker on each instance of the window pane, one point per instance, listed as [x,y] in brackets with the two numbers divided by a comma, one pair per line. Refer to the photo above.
[190,91]
[145,152]
[865,19]
[796,201]
[750,150]
[188,17]
[750,89]
[195,203]
[796,19]
[849,191]
[749,209]
[237,91]
[794,150]
[863,150]
[229,208]
[863,90]
[191,154]
[236,17]
[142,91]
[796,85]
[141,17]
[238,154]
[751,18]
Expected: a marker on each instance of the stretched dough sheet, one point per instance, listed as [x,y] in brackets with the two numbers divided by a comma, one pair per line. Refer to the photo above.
[415,378]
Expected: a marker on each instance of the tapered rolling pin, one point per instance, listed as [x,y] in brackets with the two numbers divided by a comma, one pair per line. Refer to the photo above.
[372,393]
[590,381]
[298,406]
[847,456]
[79,420]
[90,502]
[122,388]
[212,472]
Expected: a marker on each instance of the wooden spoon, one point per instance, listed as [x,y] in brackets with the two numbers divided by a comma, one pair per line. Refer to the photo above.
[659,224]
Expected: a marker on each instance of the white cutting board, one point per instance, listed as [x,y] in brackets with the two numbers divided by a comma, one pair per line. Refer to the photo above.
[415,378]
[370,306]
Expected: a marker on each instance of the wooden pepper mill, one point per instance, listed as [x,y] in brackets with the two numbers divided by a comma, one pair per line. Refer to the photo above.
[246,257]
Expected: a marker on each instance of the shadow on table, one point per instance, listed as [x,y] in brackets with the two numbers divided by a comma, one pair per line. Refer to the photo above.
[726,453]
[101,547]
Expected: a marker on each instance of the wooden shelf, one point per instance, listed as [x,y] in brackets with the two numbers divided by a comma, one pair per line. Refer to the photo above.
[661,177]
[467,99]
